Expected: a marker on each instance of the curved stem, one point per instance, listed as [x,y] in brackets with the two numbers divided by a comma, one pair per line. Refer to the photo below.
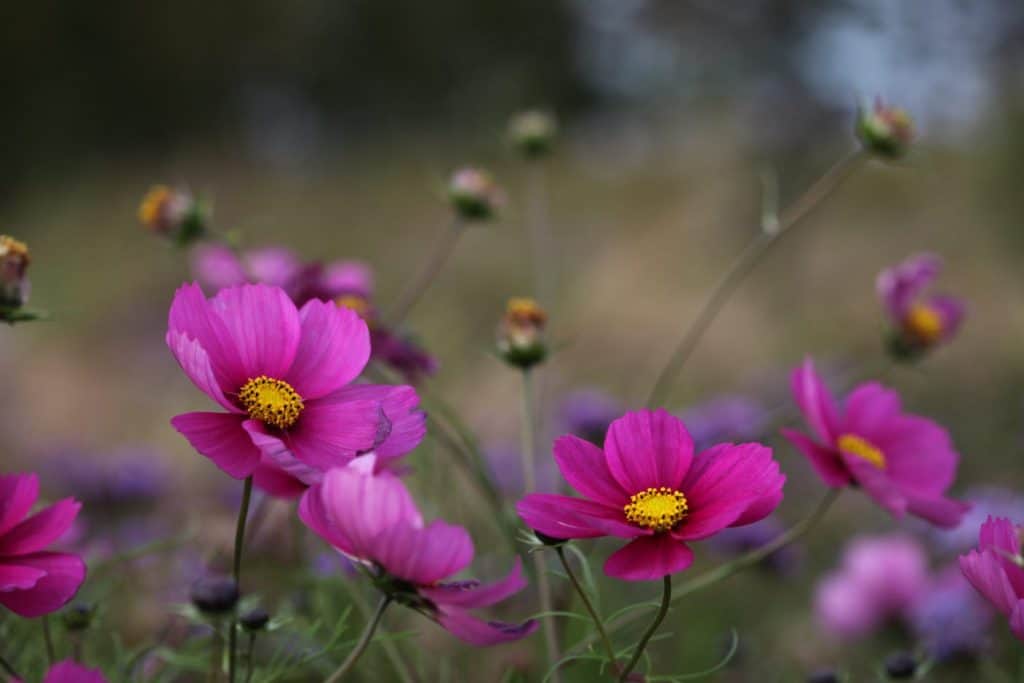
[771,233]
[666,598]
[598,623]
[364,641]
[243,515]
[51,656]
[248,657]
[389,646]
[528,448]
[419,284]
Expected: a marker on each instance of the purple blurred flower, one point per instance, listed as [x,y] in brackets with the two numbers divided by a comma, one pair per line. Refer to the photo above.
[129,477]
[587,413]
[880,578]
[738,541]
[949,617]
[921,320]
[726,418]
[506,465]
[986,501]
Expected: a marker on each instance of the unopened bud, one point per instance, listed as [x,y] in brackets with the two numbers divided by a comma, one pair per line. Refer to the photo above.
[78,616]
[474,194]
[255,619]
[533,133]
[215,595]
[824,676]
[172,213]
[14,262]
[900,665]
[885,131]
[521,335]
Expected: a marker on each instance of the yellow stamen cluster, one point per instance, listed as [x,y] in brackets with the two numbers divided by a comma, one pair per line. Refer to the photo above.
[13,250]
[924,322]
[272,401]
[356,303]
[659,509]
[862,448]
[153,206]
[525,312]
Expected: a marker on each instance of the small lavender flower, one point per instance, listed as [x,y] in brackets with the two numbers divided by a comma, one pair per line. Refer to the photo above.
[129,477]
[506,465]
[726,418]
[950,618]
[588,413]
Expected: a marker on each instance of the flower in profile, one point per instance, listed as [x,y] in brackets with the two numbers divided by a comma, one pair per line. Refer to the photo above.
[533,133]
[70,671]
[34,581]
[884,130]
[372,519]
[647,486]
[879,580]
[474,195]
[14,262]
[726,418]
[588,413]
[904,462]
[920,320]
[172,213]
[996,569]
[521,333]
[279,373]
[949,617]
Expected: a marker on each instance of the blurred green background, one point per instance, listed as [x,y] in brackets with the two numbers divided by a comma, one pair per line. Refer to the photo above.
[331,127]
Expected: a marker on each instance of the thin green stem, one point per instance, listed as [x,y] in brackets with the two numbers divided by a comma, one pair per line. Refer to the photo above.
[249,669]
[771,233]
[51,656]
[243,515]
[390,650]
[416,287]
[528,448]
[666,598]
[217,653]
[598,623]
[8,669]
[364,641]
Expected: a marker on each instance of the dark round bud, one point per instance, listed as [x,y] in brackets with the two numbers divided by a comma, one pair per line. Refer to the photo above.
[78,616]
[900,665]
[255,619]
[823,676]
[549,540]
[215,594]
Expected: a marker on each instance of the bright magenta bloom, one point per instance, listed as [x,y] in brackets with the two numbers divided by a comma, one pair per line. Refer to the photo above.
[648,486]
[994,571]
[280,374]
[70,672]
[33,581]
[921,319]
[904,462]
[372,518]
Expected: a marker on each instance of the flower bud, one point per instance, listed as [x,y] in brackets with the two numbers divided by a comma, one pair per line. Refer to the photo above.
[255,619]
[474,195]
[172,213]
[521,335]
[14,262]
[215,595]
[78,616]
[885,131]
[900,665]
[824,676]
[550,540]
[533,133]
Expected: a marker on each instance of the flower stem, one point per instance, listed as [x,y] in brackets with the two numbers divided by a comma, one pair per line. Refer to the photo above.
[364,641]
[248,657]
[217,654]
[528,448]
[389,646]
[666,598]
[419,285]
[243,515]
[771,233]
[51,657]
[8,669]
[598,623]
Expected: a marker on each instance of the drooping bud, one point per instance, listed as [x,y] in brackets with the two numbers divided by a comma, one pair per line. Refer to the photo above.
[885,131]
[78,617]
[255,619]
[215,595]
[533,133]
[900,665]
[172,213]
[474,195]
[824,676]
[14,262]
[521,335]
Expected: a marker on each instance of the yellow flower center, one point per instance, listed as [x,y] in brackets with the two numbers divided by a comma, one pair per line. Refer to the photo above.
[271,400]
[659,509]
[855,445]
[354,302]
[924,322]
[152,206]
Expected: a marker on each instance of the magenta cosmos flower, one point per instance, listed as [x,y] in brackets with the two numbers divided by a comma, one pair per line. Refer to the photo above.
[372,519]
[904,462]
[280,374]
[995,569]
[34,581]
[921,320]
[649,487]
[71,672]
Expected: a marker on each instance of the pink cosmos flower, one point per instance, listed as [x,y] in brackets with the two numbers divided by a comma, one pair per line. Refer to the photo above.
[995,569]
[33,581]
[280,374]
[70,672]
[372,519]
[904,462]
[881,578]
[921,320]
[648,486]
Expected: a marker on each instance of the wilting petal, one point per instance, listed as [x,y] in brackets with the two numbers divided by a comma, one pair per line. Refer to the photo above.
[222,439]
[408,424]
[473,594]
[424,555]
[263,326]
[41,529]
[64,574]
[824,460]
[18,493]
[649,558]
[584,466]
[474,631]
[334,349]
[567,517]
[648,449]
[815,401]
